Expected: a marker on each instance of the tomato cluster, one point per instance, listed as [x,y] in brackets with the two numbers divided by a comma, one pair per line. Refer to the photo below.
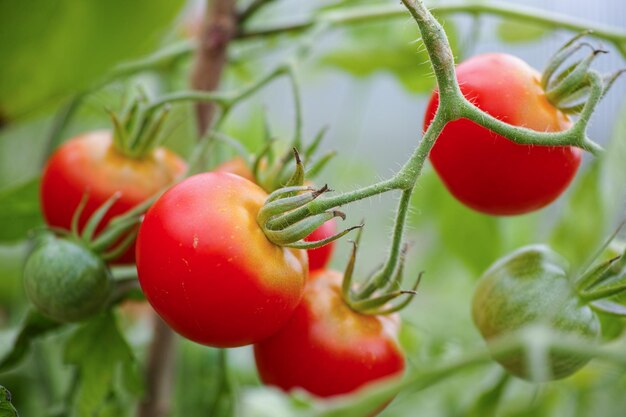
[208,269]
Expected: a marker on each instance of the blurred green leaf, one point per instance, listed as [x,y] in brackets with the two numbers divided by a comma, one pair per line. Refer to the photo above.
[486,404]
[515,31]
[613,174]
[379,48]
[51,49]
[581,225]
[212,394]
[597,201]
[19,211]
[179,131]
[6,408]
[98,363]
[474,238]
[33,326]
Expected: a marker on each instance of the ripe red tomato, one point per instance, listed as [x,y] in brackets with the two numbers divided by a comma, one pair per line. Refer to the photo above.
[319,257]
[488,172]
[90,163]
[207,268]
[326,347]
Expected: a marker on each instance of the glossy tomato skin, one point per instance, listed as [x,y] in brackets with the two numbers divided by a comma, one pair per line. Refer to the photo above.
[326,348]
[207,268]
[486,171]
[319,257]
[90,163]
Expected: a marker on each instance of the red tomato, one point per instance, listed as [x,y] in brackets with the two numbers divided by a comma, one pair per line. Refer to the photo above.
[488,172]
[327,348]
[90,163]
[207,268]
[319,257]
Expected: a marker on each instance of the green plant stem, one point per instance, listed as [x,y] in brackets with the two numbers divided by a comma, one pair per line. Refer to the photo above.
[452,106]
[297,103]
[380,278]
[60,121]
[362,402]
[572,137]
[226,100]
[162,58]
[252,9]
[364,14]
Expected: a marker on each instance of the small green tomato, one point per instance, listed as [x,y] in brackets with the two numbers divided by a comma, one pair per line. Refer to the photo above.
[65,280]
[531,286]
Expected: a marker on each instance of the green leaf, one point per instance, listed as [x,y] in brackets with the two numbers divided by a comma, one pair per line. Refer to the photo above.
[34,325]
[581,226]
[613,175]
[514,31]
[179,132]
[597,201]
[474,238]
[379,48]
[100,352]
[486,404]
[6,408]
[19,211]
[51,49]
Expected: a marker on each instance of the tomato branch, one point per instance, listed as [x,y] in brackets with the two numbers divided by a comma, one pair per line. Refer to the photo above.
[453,106]
[219,28]
[544,340]
[540,17]
[364,14]
[252,9]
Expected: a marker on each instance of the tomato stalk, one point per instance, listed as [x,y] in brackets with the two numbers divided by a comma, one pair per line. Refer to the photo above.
[364,14]
[453,106]
[348,16]
[418,380]
[522,13]
[251,10]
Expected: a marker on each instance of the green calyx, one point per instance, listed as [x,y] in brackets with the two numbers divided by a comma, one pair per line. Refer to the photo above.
[117,236]
[568,87]
[136,130]
[603,284]
[379,295]
[272,171]
[273,216]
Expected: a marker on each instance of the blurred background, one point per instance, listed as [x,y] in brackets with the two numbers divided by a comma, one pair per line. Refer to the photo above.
[369,85]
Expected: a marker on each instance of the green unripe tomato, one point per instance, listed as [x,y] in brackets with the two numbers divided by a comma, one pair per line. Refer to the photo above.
[530,286]
[66,281]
